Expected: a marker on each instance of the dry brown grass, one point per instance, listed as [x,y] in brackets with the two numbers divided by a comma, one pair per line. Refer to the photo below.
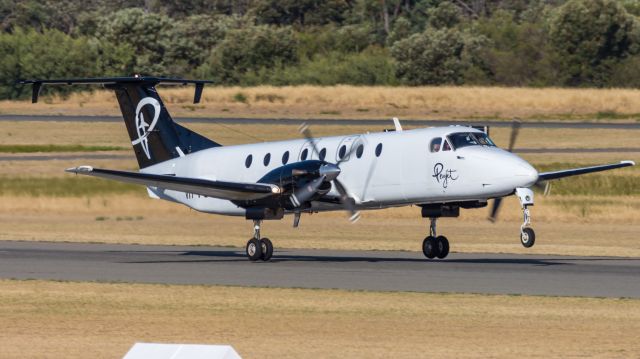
[55,168]
[80,320]
[575,226]
[114,134]
[364,102]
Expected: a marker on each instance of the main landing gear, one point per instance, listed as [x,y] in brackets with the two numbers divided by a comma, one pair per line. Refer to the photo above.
[259,248]
[527,235]
[435,246]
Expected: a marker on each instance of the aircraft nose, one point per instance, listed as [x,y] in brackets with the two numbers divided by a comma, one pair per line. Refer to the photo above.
[525,173]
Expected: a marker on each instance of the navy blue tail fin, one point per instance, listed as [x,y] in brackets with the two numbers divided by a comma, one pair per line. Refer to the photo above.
[154,135]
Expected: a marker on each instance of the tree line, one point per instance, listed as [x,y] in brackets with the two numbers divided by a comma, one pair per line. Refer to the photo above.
[588,43]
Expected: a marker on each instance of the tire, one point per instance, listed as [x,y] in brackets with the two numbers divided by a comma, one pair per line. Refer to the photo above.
[429,247]
[528,237]
[267,249]
[442,247]
[254,250]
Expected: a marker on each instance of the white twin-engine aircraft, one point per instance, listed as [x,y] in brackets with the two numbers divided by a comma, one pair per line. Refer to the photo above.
[439,169]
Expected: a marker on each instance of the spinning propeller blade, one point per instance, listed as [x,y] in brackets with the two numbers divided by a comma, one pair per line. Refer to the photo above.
[347,202]
[304,130]
[515,129]
[494,209]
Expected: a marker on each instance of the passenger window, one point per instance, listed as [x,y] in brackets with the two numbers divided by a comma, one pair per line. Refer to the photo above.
[360,150]
[323,154]
[303,155]
[247,162]
[435,144]
[285,158]
[378,149]
[446,146]
[267,159]
[342,152]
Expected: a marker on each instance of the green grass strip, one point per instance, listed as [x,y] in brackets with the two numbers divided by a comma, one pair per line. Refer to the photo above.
[71,186]
[56,148]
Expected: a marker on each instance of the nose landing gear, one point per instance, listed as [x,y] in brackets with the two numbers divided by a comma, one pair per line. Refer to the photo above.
[527,235]
[258,248]
[435,246]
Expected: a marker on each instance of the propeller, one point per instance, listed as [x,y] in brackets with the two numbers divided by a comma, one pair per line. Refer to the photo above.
[330,172]
[515,129]
[304,193]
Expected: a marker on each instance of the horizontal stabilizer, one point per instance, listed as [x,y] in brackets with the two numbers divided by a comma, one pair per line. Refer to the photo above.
[233,191]
[146,80]
[546,176]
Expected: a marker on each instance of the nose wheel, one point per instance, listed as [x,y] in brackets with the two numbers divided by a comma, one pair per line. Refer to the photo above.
[258,248]
[527,235]
[435,246]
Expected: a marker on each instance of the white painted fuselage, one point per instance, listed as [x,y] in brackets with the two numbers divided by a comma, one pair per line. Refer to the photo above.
[404,171]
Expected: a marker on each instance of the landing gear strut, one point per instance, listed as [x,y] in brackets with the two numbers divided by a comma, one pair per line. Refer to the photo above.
[258,248]
[527,235]
[435,246]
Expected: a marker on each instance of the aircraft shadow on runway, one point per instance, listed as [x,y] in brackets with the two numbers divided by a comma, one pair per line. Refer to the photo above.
[222,256]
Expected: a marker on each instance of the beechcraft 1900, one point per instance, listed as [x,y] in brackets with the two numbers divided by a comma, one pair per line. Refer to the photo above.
[439,169]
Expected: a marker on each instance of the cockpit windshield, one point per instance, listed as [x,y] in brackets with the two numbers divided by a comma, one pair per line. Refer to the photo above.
[464,139]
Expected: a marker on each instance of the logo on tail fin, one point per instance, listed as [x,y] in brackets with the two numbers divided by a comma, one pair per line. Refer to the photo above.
[142,127]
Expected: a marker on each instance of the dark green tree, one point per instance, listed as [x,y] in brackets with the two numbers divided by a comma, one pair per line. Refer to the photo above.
[250,49]
[444,15]
[147,34]
[301,12]
[192,39]
[591,36]
[28,54]
[519,53]
[436,57]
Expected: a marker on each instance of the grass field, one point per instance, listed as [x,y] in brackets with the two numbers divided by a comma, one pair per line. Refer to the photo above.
[365,102]
[596,215]
[39,201]
[56,148]
[63,319]
[564,225]
[115,135]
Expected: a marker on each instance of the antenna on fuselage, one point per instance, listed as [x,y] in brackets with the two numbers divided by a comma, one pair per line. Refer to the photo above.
[397,124]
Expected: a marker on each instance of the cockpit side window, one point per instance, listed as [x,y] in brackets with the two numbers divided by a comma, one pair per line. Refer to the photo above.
[464,139]
[446,146]
[435,144]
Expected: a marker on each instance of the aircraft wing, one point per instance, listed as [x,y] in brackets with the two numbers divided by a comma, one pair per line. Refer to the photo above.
[216,189]
[545,176]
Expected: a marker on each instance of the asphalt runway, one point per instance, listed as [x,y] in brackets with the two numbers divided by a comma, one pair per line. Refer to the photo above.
[324,121]
[354,270]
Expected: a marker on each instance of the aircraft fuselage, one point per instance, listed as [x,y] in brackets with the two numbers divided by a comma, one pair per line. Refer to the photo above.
[391,169]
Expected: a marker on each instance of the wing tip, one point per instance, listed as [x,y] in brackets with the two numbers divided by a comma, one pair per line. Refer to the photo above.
[629,163]
[79,169]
